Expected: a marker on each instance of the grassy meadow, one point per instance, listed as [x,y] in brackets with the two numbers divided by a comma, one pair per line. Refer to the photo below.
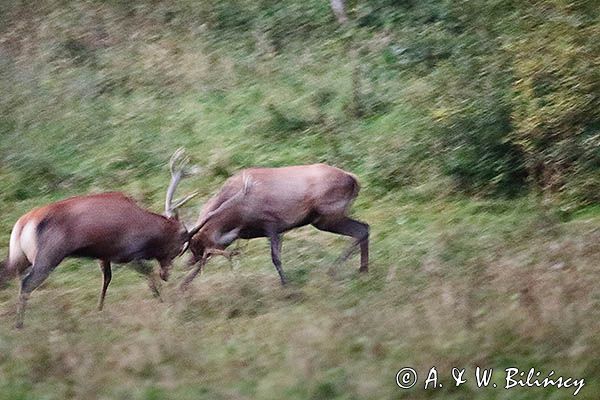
[96,95]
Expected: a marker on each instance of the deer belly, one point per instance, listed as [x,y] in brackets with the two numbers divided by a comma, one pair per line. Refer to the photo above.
[252,232]
[113,253]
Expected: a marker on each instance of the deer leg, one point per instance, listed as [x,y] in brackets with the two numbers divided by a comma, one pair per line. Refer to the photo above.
[155,285]
[197,269]
[228,254]
[38,274]
[225,253]
[106,277]
[276,254]
[10,269]
[4,275]
[356,229]
[153,281]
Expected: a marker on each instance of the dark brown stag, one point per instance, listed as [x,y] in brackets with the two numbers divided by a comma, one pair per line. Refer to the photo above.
[109,227]
[266,202]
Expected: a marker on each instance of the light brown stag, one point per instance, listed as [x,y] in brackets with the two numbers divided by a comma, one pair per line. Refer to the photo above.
[266,202]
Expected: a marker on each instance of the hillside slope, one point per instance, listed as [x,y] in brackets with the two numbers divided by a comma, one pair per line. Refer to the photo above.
[477,260]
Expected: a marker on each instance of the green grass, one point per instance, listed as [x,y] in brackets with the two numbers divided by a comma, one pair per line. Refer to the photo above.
[452,284]
[455,281]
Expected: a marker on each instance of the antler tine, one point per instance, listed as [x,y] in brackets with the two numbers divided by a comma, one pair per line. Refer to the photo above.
[178,165]
[174,158]
[187,198]
[179,160]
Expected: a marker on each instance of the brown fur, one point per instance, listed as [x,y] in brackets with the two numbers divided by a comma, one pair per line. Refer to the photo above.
[109,227]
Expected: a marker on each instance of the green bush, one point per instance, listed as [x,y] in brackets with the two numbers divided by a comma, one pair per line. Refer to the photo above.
[557,100]
[514,95]
[473,131]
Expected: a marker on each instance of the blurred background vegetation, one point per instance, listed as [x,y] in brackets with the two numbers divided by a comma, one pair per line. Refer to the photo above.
[474,127]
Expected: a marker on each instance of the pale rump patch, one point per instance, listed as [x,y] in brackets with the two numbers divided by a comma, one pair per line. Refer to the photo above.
[15,252]
[27,240]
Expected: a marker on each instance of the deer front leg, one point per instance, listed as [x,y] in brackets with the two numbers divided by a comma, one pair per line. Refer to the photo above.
[197,269]
[146,269]
[276,256]
[106,277]
[225,253]
[228,254]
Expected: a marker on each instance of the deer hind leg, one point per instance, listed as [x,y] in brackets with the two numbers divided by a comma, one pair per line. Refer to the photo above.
[106,277]
[42,267]
[3,273]
[349,227]
[15,264]
[276,256]
[10,268]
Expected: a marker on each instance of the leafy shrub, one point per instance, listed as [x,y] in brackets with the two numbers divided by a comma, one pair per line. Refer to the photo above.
[473,132]
[515,98]
[557,113]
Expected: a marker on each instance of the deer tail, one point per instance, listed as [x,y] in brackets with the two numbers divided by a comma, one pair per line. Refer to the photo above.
[355,185]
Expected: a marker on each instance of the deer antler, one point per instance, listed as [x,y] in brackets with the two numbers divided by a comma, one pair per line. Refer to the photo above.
[178,166]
